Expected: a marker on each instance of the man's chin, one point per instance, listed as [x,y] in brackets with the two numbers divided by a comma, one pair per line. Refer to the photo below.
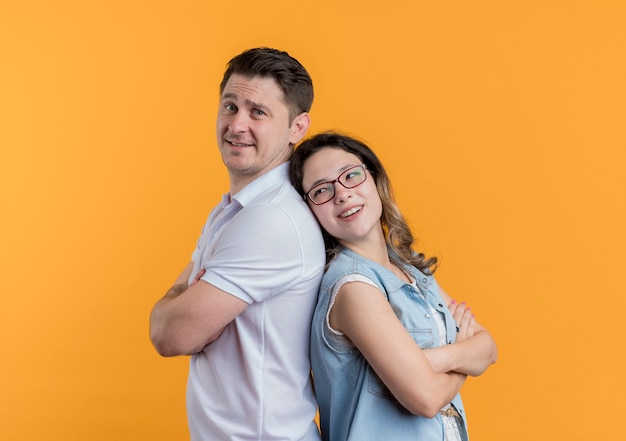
[239,168]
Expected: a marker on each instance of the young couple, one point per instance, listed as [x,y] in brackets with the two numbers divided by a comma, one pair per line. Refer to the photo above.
[389,349]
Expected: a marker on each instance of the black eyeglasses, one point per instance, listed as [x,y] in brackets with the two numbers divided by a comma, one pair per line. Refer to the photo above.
[325,191]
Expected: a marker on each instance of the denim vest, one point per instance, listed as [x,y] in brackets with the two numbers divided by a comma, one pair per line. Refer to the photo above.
[354,404]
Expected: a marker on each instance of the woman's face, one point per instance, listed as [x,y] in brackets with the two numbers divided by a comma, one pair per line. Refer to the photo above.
[353,214]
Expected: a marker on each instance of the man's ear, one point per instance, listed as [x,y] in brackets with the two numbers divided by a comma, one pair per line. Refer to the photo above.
[299,127]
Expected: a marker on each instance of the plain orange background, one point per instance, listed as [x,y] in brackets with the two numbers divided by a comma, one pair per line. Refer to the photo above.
[501,124]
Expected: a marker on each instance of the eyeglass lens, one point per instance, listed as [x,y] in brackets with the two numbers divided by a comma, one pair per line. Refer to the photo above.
[349,178]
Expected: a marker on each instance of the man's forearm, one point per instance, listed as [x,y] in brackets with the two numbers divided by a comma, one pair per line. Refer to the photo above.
[176,290]
[158,318]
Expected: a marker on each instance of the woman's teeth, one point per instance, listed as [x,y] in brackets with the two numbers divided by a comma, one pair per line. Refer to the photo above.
[350,212]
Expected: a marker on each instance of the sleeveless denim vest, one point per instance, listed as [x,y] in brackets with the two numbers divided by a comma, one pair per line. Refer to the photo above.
[354,404]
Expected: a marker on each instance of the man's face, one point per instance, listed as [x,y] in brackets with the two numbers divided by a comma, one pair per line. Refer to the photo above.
[253,130]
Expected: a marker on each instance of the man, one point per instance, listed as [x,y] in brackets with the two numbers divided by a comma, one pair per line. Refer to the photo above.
[243,306]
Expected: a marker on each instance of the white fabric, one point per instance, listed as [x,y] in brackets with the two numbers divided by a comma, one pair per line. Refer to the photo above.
[253,383]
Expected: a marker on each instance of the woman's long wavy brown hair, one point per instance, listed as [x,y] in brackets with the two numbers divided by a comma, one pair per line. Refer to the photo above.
[397,232]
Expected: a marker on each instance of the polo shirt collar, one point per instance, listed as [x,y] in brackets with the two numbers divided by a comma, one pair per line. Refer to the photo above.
[276,176]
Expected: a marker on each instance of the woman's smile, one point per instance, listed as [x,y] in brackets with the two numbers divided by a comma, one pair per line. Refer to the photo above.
[350,212]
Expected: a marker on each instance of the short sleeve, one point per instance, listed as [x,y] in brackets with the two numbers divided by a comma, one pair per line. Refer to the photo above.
[257,255]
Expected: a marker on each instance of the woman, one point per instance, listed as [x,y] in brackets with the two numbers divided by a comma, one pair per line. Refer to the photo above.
[389,357]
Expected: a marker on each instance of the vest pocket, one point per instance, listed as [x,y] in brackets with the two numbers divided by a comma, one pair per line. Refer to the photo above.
[376,386]
[424,337]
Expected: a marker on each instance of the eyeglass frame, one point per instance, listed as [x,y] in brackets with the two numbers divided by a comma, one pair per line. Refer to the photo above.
[333,182]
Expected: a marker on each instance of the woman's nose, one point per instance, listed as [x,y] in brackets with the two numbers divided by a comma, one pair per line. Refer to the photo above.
[342,193]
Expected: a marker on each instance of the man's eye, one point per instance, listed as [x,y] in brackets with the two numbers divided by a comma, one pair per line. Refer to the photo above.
[258,112]
[230,108]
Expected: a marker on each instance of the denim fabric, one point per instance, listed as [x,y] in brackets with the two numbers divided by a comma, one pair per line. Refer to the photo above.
[354,404]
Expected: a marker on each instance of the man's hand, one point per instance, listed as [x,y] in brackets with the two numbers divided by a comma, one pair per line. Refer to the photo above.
[198,277]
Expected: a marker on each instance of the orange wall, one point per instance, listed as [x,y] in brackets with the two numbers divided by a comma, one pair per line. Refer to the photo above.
[502,127]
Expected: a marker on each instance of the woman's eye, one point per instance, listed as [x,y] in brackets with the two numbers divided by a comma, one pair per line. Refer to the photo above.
[353,175]
[319,191]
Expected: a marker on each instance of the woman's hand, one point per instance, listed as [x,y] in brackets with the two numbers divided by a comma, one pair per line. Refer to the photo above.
[464,318]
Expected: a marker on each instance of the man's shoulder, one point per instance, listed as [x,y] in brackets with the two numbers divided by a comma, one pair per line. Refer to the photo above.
[279,210]
[280,194]
[281,201]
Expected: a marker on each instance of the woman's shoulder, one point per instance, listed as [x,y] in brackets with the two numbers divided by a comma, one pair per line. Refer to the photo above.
[348,263]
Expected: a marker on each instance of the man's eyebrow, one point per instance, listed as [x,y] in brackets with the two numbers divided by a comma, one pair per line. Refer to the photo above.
[249,103]
[257,106]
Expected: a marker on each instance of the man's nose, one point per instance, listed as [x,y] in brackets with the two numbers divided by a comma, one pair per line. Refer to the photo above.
[238,123]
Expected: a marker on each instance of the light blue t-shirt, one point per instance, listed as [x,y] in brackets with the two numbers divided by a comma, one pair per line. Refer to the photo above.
[263,246]
[354,404]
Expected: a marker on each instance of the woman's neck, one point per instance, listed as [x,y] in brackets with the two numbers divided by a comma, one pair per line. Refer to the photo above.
[374,248]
